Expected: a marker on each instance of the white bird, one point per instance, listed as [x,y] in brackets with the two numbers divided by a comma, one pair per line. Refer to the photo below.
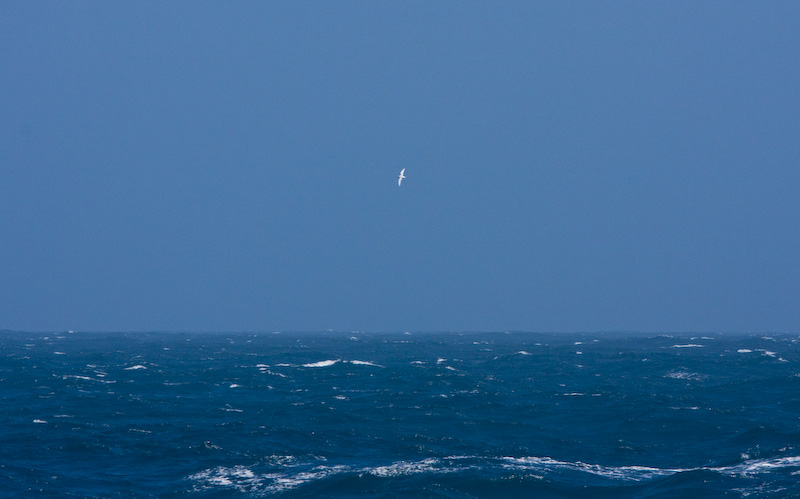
[400,177]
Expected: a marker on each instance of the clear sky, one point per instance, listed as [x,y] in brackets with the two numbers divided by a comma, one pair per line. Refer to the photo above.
[229,166]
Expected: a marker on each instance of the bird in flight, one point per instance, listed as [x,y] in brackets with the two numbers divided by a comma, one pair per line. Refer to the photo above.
[400,177]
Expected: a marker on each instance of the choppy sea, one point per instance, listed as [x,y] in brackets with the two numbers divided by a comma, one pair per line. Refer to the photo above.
[399,415]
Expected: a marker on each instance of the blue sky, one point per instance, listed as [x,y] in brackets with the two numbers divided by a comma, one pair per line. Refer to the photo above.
[570,166]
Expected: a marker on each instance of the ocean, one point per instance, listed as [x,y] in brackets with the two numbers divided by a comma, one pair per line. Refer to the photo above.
[355,414]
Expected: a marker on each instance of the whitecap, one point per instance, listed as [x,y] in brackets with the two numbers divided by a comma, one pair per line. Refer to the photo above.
[40,421]
[225,477]
[683,375]
[136,367]
[322,363]
[86,378]
[631,473]
[744,350]
[690,345]
[364,363]
[244,480]
[523,352]
[639,473]
[234,385]
[755,466]
[317,473]
[408,468]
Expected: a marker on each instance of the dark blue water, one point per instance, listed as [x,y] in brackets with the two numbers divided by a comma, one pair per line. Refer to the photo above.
[397,415]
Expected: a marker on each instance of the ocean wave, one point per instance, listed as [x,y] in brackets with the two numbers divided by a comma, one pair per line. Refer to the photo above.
[756,466]
[684,374]
[292,472]
[328,363]
[87,378]
[243,479]
[430,465]
[364,363]
[322,363]
[638,473]
[639,419]
[626,473]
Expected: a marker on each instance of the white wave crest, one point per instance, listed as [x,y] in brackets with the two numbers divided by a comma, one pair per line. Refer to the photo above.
[628,473]
[87,378]
[756,466]
[364,363]
[292,473]
[640,473]
[683,374]
[430,465]
[322,363]
[243,479]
